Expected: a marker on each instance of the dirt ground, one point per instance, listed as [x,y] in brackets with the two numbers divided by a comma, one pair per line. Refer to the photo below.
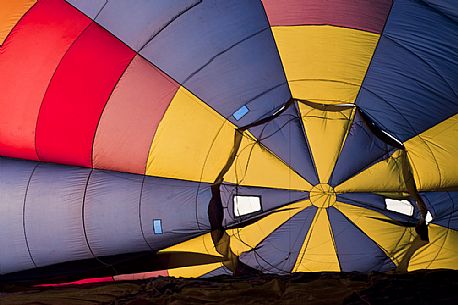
[421,287]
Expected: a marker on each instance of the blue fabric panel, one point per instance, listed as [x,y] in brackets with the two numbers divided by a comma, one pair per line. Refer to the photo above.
[224,52]
[217,272]
[361,150]
[89,7]
[111,213]
[443,207]
[377,203]
[53,214]
[285,137]
[182,207]
[412,81]
[355,250]
[270,199]
[279,251]
[14,177]
[136,22]
[447,7]
[61,201]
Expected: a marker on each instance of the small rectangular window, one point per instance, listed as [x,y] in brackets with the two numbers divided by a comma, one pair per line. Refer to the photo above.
[157,226]
[244,205]
[400,206]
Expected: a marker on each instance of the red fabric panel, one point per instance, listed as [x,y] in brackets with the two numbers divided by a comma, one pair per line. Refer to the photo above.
[77,95]
[28,59]
[367,15]
[131,117]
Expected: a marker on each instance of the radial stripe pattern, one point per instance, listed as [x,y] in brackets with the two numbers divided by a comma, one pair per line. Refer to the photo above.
[197,138]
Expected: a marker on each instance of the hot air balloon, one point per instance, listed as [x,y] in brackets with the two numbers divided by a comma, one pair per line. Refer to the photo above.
[203,137]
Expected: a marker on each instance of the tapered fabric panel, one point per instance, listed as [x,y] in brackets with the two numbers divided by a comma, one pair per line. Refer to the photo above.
[276,135]
[384,176]
[111,213]
[324,64]
[361,254]
[331,125]
[257,166]
[131,117]
[181,206]
[361,149]
[367,15]
[77,95]
[136,23]
[26,74]
[14,181]
[280,250]
[393,238]
[435,148]
[318,251]
[192,141]
[249,236]
[53,214]
[413,69]
[206,49]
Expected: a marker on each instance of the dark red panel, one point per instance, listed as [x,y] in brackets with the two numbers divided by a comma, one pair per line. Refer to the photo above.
[77,95]
[28,59]
[367,15]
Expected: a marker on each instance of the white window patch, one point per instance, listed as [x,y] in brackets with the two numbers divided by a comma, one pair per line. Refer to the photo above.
[244,205]
[400,206]
[429,217]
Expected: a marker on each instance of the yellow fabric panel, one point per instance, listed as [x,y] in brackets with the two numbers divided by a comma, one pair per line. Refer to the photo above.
[432,155]
[192,142]
[326,131]
[384,176]
[194,271]
[440,252]
[245,239]
[11,12]
[200,244]
[318,252]
[394,240]
[255,165]
[325,64]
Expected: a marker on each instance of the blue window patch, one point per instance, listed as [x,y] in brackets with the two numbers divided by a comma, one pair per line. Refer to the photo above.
[240,113]
[157,226]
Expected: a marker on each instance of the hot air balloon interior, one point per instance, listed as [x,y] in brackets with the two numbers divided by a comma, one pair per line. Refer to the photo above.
[195,138]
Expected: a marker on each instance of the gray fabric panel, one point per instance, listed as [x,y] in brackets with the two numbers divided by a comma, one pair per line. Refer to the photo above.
[208,29]
[182,207]
[14,176]
[111,213]
[88,7]
[135,22]
[53,214]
